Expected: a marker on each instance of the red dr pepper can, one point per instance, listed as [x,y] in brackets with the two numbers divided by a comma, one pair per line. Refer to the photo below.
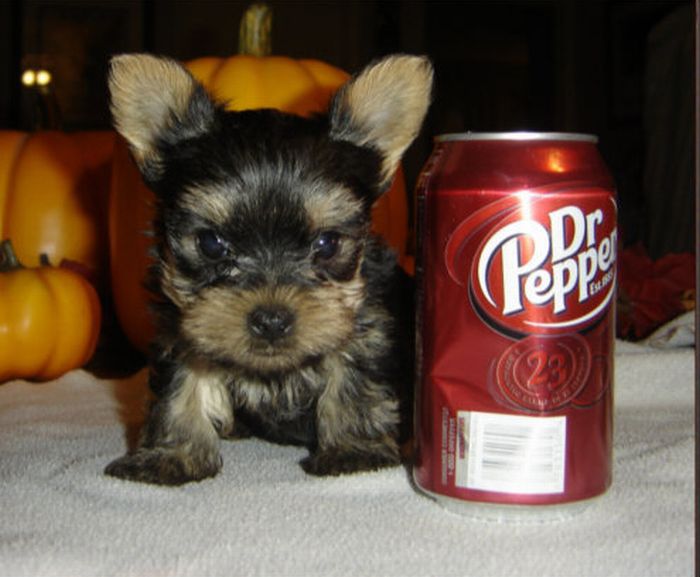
[515,324]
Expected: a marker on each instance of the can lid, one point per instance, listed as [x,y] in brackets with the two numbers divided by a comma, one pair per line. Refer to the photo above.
[525,135]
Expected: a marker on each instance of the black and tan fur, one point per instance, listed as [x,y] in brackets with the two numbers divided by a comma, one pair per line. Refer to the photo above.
[276,307]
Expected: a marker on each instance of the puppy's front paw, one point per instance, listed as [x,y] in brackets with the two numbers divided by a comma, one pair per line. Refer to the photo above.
[336,462]
[162,467]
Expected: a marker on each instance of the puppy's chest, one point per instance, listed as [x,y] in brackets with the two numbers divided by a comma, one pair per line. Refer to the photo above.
[283,398]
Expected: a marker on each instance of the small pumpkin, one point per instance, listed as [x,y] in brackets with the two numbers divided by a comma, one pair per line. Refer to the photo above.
[251,79]
[49,319]
[53,195]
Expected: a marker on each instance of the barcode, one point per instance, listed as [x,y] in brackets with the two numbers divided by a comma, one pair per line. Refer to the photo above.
[510,453]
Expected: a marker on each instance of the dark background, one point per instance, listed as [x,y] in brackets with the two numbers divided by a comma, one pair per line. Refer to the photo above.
[620,69]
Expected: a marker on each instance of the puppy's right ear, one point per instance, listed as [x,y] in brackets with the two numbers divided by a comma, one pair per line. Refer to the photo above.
[155,102]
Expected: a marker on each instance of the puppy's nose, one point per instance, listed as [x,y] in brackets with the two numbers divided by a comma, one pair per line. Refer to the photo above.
[270,322]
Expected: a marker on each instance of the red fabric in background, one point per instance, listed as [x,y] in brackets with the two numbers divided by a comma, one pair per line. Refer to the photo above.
[652,292]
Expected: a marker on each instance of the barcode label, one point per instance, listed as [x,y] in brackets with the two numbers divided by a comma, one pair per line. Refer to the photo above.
[510,453]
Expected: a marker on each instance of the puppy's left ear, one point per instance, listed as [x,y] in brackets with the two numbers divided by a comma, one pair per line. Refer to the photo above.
[155,103]
[384,107]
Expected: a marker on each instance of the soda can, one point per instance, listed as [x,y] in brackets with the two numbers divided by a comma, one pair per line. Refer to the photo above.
[516,282]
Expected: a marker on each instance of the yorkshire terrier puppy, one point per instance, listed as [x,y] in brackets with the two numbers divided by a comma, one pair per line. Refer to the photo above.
[275,306]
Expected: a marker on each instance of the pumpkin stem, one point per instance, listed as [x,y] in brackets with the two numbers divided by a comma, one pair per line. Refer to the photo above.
[8,257]
[254,38]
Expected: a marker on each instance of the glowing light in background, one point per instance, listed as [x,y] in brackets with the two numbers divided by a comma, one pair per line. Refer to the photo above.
[31,77]
[28,77]
[43,77]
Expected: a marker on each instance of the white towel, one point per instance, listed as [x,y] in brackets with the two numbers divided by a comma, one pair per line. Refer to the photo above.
[60,516]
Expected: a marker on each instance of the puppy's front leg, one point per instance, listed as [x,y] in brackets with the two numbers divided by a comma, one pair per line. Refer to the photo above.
[357,425]
[180,441]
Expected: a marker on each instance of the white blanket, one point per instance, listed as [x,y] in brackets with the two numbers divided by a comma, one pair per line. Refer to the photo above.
[60,516]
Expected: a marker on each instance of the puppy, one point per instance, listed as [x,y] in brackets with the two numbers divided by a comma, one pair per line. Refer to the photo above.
[275,306]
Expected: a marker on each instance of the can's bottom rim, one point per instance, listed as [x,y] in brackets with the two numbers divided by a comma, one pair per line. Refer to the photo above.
[518,136]
[512,513]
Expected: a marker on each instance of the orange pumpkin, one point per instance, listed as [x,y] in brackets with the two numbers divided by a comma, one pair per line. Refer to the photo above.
[252,79]
[130,216]
[53,195]
[49,319]
[256,79]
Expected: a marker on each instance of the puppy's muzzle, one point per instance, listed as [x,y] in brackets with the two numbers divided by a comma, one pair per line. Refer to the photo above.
[271,323]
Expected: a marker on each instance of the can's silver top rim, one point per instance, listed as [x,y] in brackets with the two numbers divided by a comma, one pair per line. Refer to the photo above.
[518,136]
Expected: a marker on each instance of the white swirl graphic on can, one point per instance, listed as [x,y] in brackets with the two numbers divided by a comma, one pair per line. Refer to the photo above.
[541,264]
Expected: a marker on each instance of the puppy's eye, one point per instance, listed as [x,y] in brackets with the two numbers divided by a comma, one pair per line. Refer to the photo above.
[211,245]
[326,244]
